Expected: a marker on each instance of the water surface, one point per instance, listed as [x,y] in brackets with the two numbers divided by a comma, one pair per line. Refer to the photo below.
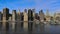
[30,29]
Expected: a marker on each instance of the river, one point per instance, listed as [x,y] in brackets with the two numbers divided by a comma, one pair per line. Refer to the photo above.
[31,29]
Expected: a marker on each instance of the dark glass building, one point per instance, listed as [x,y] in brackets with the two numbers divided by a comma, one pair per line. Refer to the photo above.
[0,16]
[30,15]
[5,17]
[33,10]
[30,18]
[14,15]
[18,16]
[22,16]
[5,14]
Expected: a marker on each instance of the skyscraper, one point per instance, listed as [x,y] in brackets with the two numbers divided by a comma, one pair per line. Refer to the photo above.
[25,24]
[25,15]
[14,16]
[5,15]
[36,16]
[47,13]
[0,16]
[47,16]
[30,18]
[22,16]
[18,15]
[30,15]
[33,10]
[41,15]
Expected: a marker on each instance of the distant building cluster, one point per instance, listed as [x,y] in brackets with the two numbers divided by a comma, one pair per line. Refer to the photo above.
[27,15]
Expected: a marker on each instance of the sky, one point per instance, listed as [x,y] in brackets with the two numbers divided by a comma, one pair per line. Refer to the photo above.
[51,5]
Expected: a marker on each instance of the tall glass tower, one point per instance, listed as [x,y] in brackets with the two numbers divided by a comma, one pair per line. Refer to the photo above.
[5,17]
[30,15]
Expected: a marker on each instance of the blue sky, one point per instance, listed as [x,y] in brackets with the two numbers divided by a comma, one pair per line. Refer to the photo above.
[51,5]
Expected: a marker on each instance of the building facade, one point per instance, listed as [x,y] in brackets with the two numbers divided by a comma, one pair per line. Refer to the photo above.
[14,15]
[47,16]
[33,10]
[0,16]
[5,16]
[41,15]
[25,15]
[25,24]
[18,16]
[30,15]
[57,16]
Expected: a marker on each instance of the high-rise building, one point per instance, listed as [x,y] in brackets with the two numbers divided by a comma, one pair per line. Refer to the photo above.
[25,24]
[41,15]
[25,15]
[37,16]
[10,17]
[0,16]
[30,15]
[47,16]
[33,10]
[14,15]
[47,13]
[18,15]
[22,16]
[5,16]
[30,18]
[14,18]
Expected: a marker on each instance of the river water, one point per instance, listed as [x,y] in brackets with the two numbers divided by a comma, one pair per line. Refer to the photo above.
[32,29]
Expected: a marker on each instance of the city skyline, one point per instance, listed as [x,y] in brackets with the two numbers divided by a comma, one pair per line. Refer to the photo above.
[51,5]
[29,16]
[34,10]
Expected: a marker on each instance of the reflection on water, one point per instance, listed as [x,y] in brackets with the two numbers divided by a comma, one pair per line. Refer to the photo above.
[29,28]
